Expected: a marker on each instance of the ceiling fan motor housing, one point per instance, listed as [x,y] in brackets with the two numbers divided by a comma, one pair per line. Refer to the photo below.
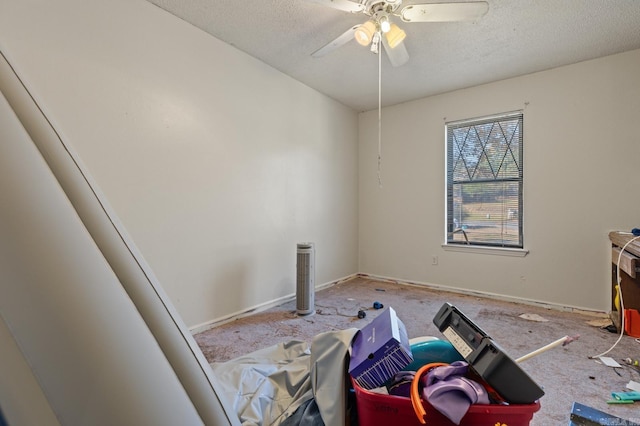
[377,7]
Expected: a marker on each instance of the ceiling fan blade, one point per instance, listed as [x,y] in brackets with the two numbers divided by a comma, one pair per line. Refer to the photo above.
[397,55]
[444,12]
[342,39]
[345,5]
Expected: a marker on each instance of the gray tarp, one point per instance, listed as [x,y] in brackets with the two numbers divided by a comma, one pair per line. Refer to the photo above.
[268,386]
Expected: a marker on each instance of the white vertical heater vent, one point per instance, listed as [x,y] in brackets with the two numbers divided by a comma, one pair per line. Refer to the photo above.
[305,279]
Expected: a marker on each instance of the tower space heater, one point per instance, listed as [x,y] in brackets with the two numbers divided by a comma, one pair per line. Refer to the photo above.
[305,278]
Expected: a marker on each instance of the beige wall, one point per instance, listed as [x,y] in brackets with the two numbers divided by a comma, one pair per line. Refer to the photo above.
[216,164]
[581,170]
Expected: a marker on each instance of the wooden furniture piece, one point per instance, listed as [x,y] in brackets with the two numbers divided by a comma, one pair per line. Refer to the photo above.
[629,272]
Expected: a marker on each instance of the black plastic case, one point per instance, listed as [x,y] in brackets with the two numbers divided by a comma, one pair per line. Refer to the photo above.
[486,358]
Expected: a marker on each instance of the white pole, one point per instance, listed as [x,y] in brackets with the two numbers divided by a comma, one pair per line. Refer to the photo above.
[562,341]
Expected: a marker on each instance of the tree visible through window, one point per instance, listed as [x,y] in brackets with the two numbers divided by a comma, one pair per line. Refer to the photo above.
[484,181]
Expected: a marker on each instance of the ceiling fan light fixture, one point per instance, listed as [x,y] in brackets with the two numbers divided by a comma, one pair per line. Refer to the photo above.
[395,36]
[384,23]
[364,33]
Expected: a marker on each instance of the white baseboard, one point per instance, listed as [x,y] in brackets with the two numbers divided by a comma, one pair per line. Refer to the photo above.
[199,328]
[489,295]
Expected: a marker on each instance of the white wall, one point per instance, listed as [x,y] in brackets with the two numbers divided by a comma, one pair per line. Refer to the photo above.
[581,171]
[216,163]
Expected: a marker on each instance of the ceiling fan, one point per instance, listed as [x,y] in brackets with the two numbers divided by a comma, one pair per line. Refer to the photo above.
[379,28]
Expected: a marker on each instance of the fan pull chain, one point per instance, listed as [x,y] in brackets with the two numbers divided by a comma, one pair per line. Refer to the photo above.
[379,119]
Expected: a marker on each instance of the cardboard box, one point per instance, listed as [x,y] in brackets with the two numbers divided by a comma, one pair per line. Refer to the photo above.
[379,350]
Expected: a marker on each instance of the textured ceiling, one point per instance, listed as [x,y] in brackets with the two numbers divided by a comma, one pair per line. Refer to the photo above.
[515,37]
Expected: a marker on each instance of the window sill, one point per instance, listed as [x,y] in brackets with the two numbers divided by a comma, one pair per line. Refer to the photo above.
[499,251]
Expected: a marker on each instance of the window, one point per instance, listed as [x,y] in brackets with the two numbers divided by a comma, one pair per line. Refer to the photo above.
[484,181]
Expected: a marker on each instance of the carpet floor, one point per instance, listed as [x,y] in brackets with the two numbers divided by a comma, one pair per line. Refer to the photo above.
[566,373]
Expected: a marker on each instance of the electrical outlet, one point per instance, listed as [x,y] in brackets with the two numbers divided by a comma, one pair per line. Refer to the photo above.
[434,260]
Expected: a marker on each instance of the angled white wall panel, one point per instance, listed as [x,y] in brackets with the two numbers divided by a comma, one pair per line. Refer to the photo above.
[89,349]
[21,397]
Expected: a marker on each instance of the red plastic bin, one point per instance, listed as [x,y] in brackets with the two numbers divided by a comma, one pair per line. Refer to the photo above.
[376,409]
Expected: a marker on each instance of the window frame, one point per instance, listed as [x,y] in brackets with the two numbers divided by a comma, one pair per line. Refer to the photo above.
[516,249]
